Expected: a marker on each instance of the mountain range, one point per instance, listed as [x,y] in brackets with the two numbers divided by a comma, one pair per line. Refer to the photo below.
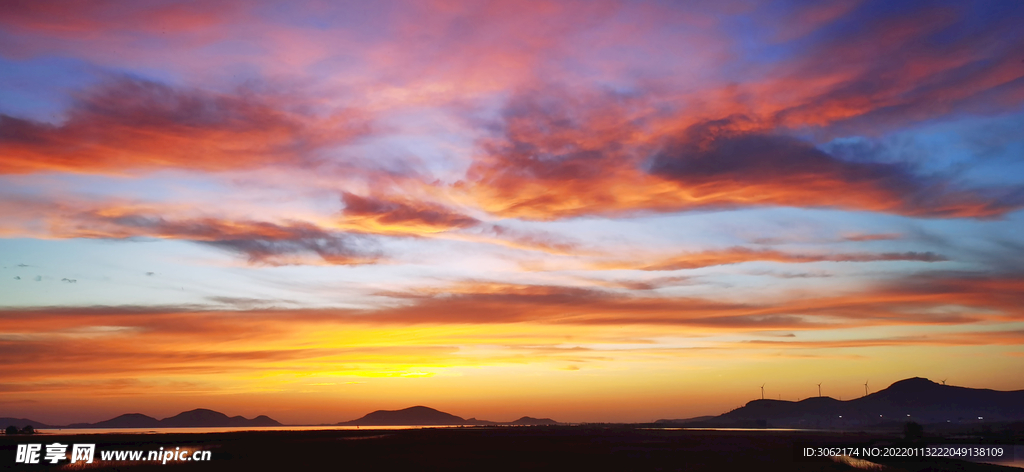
[424,416]
[198,418]
[915,399]
[203,418]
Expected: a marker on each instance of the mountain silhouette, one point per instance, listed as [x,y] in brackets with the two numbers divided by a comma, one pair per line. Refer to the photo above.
[425,416]
[203,418]
[128,420]
[21,423]
[914,399]
[528,421]
[198,418]
[412,416]
[686,420]
[476,422]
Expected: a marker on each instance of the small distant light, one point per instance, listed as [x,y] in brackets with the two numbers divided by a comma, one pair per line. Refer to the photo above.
[908,415]
[981,417]
[840,416]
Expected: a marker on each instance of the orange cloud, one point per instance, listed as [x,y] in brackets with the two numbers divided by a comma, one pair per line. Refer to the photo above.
[349,238]
[122,352]
[131,124]
[192,341]
[401,215]
[560,158]
[910,301]
[561,154]
[920,300]
[843,82]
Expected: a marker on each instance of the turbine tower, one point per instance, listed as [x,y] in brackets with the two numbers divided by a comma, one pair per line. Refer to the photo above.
[762,391]
[865,388]
[943,381]
[819,389]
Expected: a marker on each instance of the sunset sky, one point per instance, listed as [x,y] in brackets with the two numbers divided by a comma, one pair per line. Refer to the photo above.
[583,210]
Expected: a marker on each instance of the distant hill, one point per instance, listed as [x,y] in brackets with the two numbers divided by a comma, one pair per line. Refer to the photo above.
[128,420]
[21,423]
[412,416]
[527,421]
[476,422]
[686,420]
[424,416]
[198,418]
[915,399]
[203,418]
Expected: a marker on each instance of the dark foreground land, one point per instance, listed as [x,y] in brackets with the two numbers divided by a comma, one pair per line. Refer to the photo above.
[561,448]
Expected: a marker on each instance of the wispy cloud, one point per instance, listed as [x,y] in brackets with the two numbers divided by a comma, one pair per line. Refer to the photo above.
[739,254]
[262,242]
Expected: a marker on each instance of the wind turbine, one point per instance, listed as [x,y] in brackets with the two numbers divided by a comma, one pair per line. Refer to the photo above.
[865,388]
[819,389]
[943,381]
[762,391]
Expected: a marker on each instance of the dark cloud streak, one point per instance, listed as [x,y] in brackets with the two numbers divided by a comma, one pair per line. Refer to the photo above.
[262,242]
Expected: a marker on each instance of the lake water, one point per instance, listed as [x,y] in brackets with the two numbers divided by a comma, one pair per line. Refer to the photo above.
[75,431]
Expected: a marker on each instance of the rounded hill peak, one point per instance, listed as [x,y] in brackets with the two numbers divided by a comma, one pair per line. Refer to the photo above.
[913,382]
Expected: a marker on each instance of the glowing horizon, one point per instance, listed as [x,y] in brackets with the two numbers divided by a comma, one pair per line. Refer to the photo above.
[590,211]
